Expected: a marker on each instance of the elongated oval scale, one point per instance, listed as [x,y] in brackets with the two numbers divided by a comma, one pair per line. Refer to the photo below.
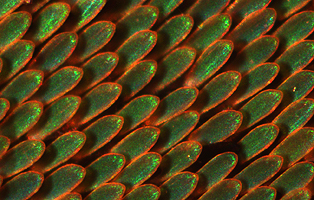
[261,193]
[144,192]
[165,7]
[4,145]
[301,194]
[71,196]
[285,8]
[4,107]
[10,6]
[227,189]
[110,191]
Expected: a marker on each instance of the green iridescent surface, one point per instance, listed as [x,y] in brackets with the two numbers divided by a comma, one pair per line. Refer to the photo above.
[4,107]
[178,187]
[23,186]
[295,58]
[92,39]
[240,9]
[136,78]
[20,157]
[96,101]
[295,29]
[297,86]
[47,22]
[137,110]
[22,119]
[295,146]
[139,170]
[255,25]
[99,133]
[8,6]
[261,193]
[60,182]
[216,91]
[34,6]
[217,128]
[209,31]
[13,27]
[285,8]
[174,130]
[215,170]
[165,7]
[135,48]
[257,140]
[294,116]
[15,58]
[256,52]
[171,33]
[173,105]
[203,9]
[56,115]
[22,87]
[179,158]
[58,84]
[95,70]
[60,150]
[260,106]
[259,171]
[227,189]
[173,66]
[144,192]
[136,143]
[300,194]
[4,145]
[101,171]
[297,176]
[211,60]
[255,80]
[55,52]
[108,191]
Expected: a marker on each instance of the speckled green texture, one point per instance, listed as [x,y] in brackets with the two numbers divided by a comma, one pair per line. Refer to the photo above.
[96,101]
[58,84]
[22,119]
[257,140]
[178,187]
[297,176]
[15,58]
[55,52]
[295,58]
[135,48]
[108,191]
[4,107]
[255,80]
[294,116]
[298,194]
[227,189]
[256,52]
[9,6]
[137,110]
[136,78]
[144,192]
[261,193]
[139,170]
[136,143]
[13,27]
[173,104]
[255,25]
[211,60]
[165,7]
[179,158]
[4,145]
[173,66]
[217,91]
[48,21]
[60,182]
[217,128]
[174,130]
[71,196]
[23,186]
[215,170]
[95,70]
[211,30]
[22,87]
[92,39]
[203,9]
[259,171]
[99,133]
[259,107]
[101,171]
[297,86]
[295,29]
[60,150]
[285,8]
[240,9]
[20,157]
[56,115]
[295,146]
